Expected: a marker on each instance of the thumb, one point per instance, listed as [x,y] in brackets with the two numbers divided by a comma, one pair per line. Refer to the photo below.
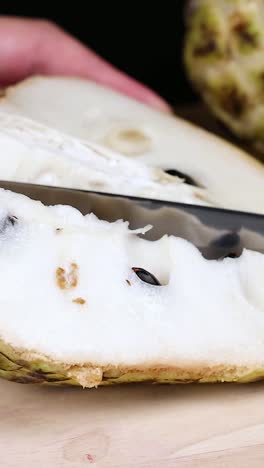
[29,46]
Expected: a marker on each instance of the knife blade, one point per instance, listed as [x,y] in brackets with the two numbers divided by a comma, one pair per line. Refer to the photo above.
[216,232]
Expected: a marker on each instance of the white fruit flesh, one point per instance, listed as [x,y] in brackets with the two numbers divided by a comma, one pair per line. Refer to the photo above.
[31,152]
[91,112]
[68,292]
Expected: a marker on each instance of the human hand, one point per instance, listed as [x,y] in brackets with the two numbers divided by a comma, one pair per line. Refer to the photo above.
[29,47]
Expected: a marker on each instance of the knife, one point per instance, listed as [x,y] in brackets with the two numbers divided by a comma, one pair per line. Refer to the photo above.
[216,232]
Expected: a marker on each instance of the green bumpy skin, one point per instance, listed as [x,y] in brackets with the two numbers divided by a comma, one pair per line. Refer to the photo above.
[43,372]
[224,60]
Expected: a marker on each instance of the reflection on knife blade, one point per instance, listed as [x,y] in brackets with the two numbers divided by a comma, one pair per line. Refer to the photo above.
[216,232]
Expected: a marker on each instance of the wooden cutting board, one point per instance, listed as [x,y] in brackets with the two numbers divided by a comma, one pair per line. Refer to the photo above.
[137,426]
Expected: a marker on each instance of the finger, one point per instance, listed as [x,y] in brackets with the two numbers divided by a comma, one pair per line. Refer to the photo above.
[29,47]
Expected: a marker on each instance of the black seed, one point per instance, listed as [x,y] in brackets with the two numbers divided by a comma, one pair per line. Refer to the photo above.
[12,219]
[187,179]
[145,276]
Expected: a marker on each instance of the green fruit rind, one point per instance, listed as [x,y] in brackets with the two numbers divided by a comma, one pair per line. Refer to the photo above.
[39,371]
[206,41]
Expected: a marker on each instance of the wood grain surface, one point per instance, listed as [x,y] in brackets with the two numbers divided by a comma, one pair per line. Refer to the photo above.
[132,426]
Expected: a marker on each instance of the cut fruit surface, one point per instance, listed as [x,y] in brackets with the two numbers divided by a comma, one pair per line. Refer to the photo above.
[32,152]
[226,176]
[74,309]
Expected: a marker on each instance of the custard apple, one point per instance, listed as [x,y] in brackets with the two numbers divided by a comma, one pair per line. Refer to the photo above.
[224,59]
[97,138]
[87,302]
